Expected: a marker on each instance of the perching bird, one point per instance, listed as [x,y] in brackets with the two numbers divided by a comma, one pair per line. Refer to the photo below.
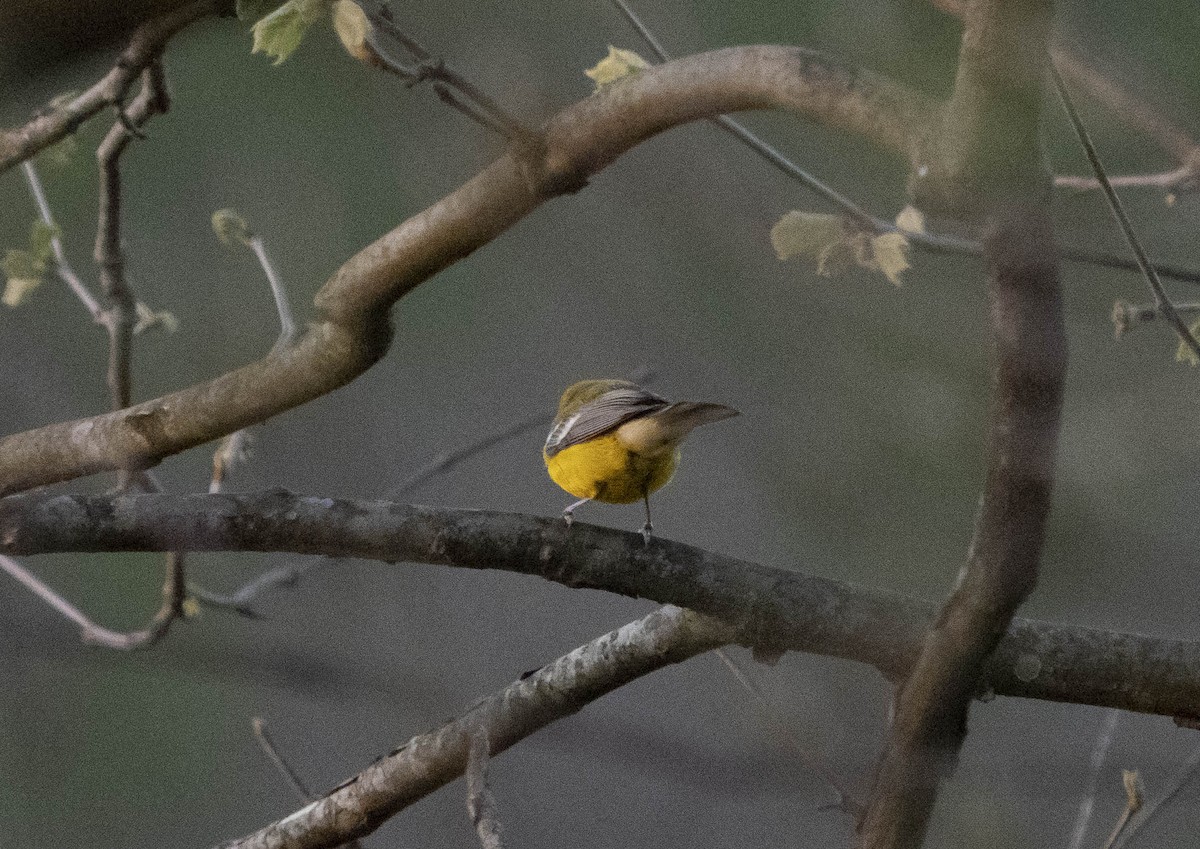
[615,442]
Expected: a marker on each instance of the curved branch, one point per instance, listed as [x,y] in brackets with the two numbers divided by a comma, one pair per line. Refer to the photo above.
[767,607]
[353,331]
[428,761]
[56,123]
[997,169]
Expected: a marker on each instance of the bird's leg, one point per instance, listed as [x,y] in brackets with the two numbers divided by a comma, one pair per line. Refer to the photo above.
[648,527]
[569,510]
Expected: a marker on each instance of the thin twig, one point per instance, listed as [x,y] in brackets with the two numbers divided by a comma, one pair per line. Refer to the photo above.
[766,151]
[1087,804]
[243,598]
[429,67]
[1136,112]
[1133,804]
[121,313]
[812,761]
[19,144]
[263,737]
[447,460]
[232,450]
[481,802]
[1178,781]
[287,322]
[290,776]
[93,634]
[62,266]
[1126,316]
[1161,300]
[1176,178]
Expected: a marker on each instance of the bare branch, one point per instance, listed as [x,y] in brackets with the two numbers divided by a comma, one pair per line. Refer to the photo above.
[242,600]
[991,165]
[1175,179]
[486,110]
[1127,316]
[770,608]
[121,312]
[429,761]
[1133,110]
[17,145]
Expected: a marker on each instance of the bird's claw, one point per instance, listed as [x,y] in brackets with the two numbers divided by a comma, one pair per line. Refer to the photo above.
[646,530]
[568,517]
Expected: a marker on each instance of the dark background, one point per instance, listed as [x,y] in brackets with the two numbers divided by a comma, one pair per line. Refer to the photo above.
[857,457]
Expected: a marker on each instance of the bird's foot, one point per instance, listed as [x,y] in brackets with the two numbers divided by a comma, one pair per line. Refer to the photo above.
[646,530]
[568,516]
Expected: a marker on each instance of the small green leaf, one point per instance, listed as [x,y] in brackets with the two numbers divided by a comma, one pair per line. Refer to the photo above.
[230,226]
[280,33]
[17,289]
[617,65]
[41,240]
[801,233]
[889,255]
[24,273]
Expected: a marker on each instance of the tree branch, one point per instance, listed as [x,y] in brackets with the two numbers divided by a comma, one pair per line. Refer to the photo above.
[353,331]
[119,316]
[54,124]
[992,166]
[429,761]
[767,607]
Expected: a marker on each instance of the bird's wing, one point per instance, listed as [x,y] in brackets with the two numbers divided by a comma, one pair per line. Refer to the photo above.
[598,417]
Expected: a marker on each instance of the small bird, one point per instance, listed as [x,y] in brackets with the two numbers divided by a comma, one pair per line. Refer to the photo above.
[615,442]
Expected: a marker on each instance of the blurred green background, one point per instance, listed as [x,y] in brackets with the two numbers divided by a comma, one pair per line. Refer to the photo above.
[857,457]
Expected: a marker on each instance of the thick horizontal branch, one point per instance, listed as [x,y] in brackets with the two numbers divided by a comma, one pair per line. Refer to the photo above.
[767,607]
[57,122]
[353,331]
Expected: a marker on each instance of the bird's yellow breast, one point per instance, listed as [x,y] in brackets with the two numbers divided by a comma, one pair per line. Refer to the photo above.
[605,470]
